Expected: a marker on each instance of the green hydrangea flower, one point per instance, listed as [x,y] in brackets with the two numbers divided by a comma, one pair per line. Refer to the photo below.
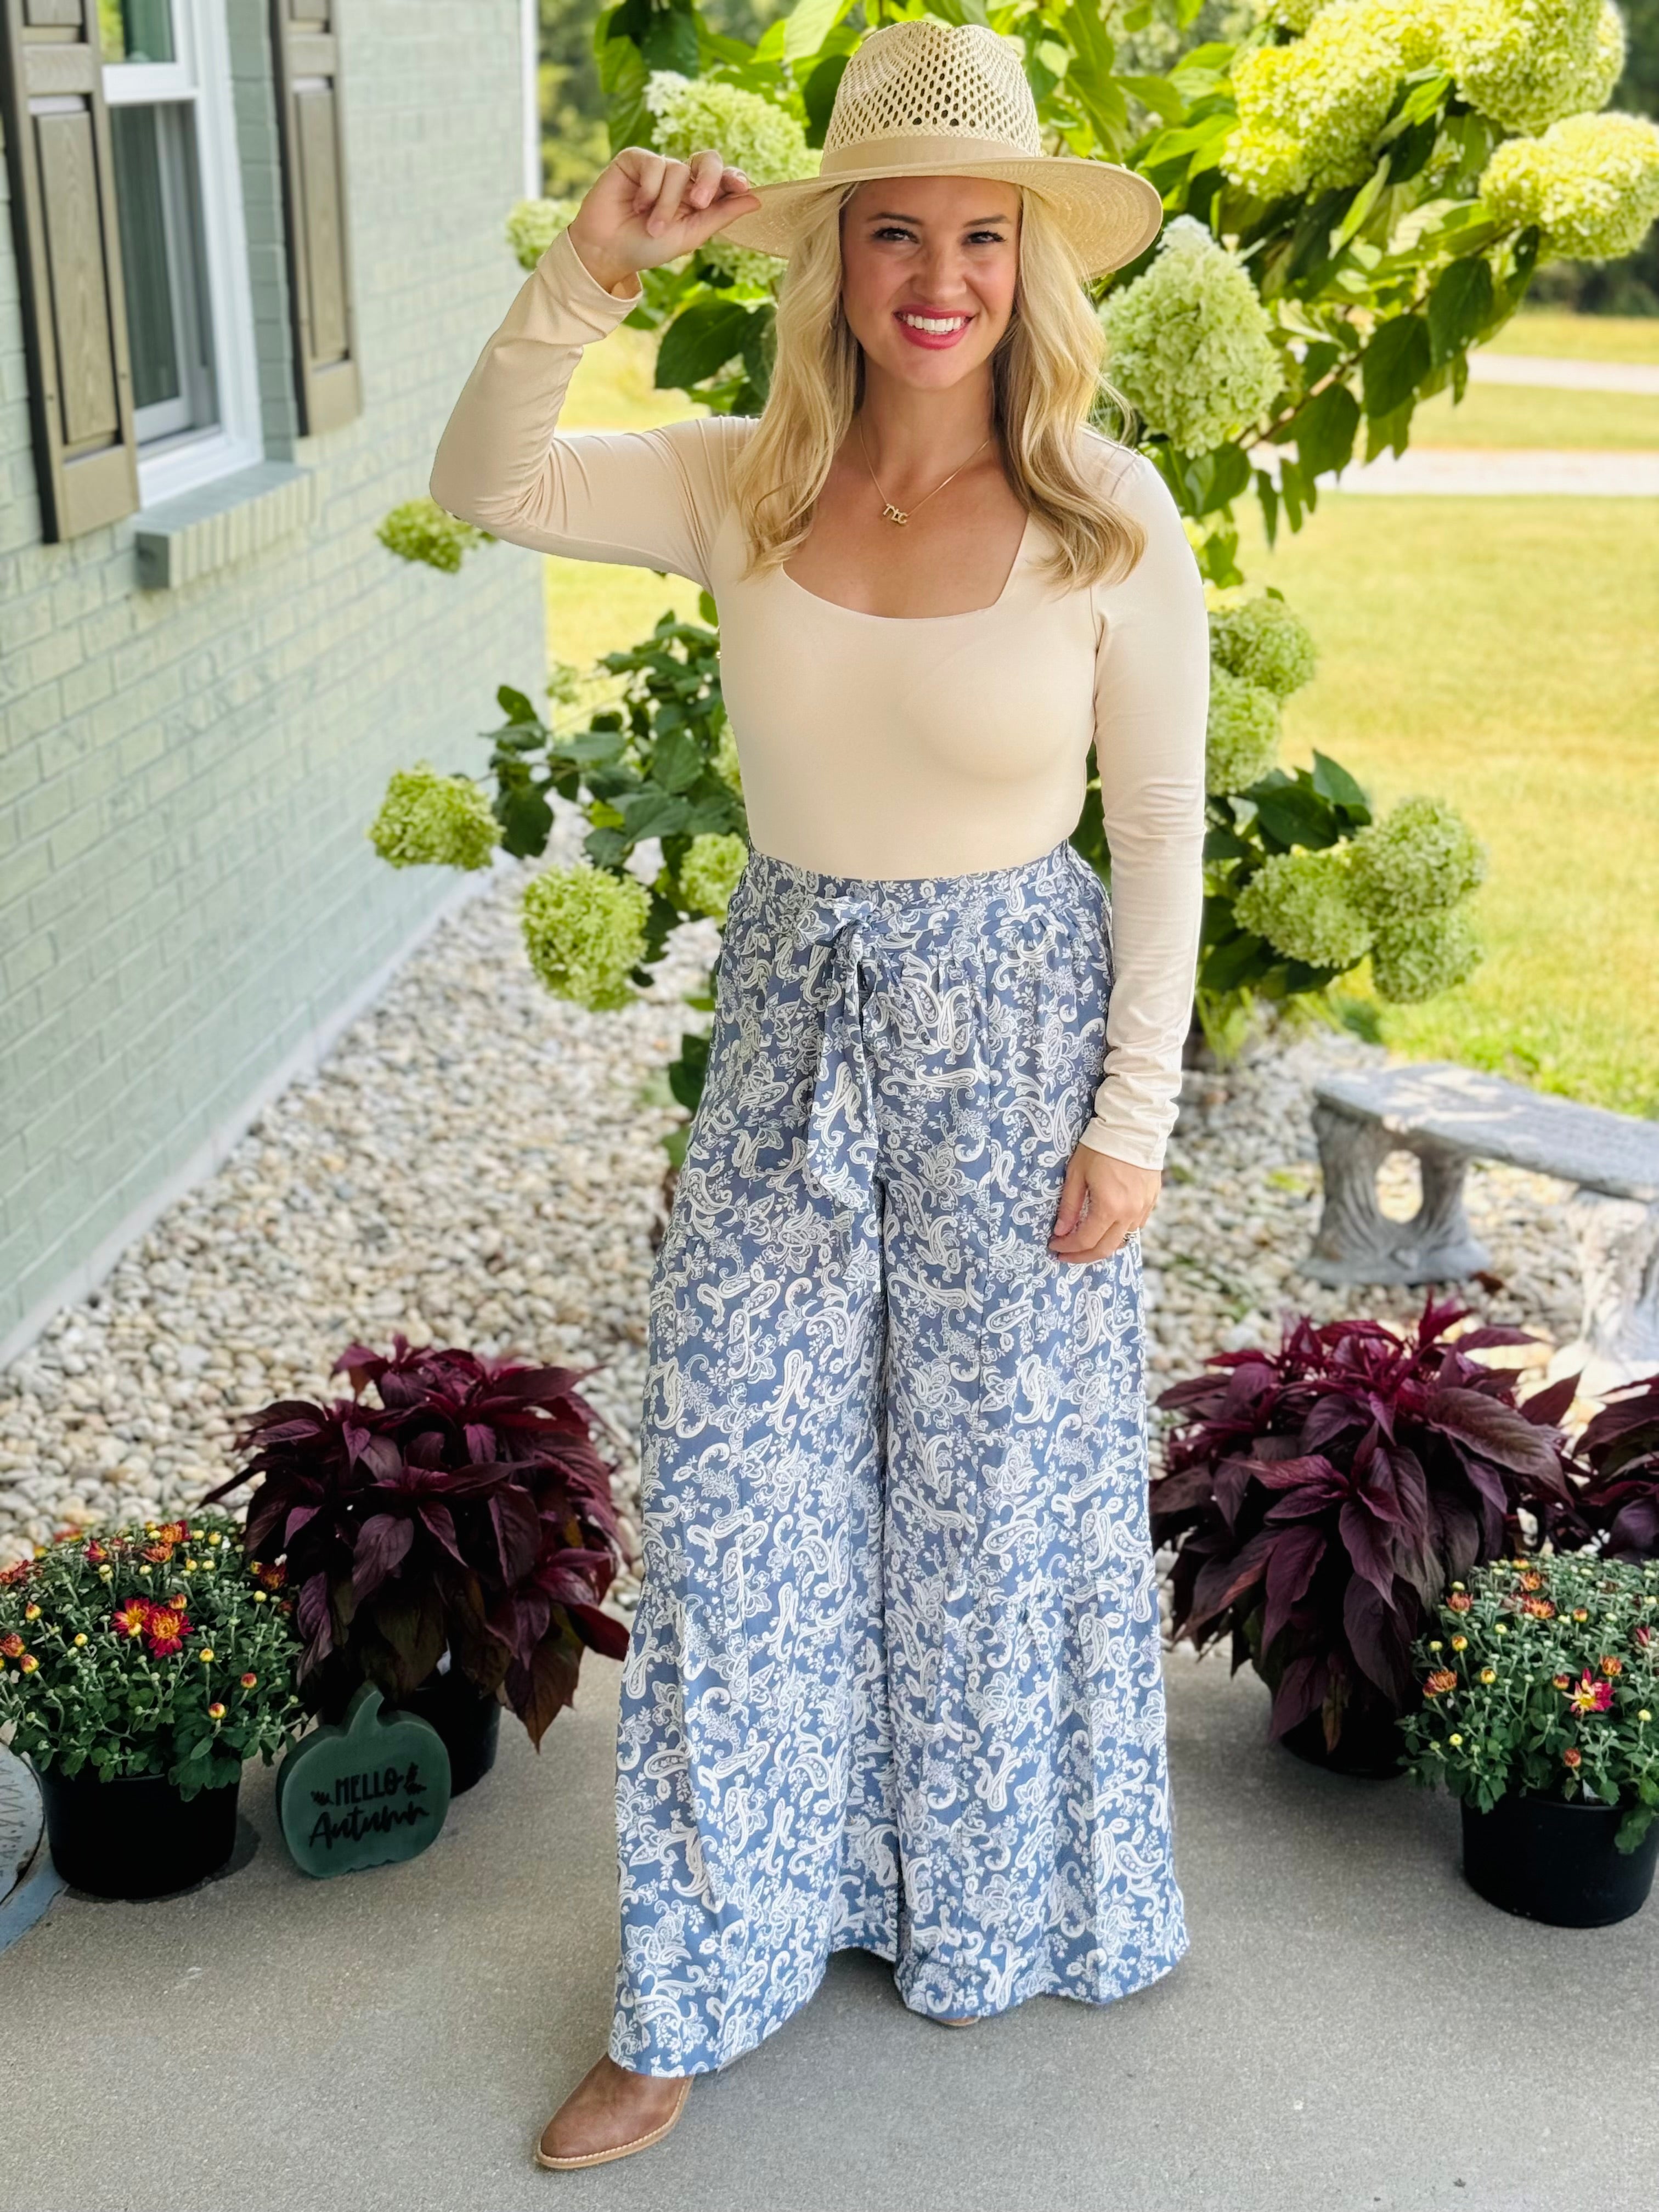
[754,135]
[1308,112]
[710,872]
[428,820]
[1526,64]
[419,529]
[533,226]
[1304,904]
[1422,955]
[1242,743]
[1190,342]
[726,762]
[1262,641]
[584,930]
[1421,858]
[1591,183]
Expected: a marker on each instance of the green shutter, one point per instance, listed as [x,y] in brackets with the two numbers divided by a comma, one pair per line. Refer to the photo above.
[69,257]
[305,44]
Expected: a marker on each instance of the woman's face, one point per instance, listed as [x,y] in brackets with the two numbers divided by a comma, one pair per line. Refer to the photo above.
[928,268]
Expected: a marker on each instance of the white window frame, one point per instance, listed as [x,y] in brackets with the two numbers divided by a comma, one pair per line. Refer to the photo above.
[200,75]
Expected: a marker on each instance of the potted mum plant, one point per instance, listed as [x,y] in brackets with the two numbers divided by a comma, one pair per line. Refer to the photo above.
[139,1669]
[1321,1498]
[1540,1684]
[451,1543]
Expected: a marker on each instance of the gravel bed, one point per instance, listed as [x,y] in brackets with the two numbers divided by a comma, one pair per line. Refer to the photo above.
[479,1163]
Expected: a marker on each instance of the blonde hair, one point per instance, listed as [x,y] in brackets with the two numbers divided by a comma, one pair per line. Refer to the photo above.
[1047,375]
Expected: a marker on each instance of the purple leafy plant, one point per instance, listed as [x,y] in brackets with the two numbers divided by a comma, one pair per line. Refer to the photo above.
[1615,1506]
[467,1510]
[1321,1498]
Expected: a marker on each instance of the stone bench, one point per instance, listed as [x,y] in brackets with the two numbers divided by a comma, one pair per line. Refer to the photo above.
[1449,1116]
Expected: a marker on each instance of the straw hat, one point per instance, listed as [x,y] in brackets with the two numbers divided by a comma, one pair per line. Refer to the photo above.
[926,98]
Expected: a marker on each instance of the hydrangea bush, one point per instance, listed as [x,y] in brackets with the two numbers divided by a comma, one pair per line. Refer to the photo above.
[1358,192]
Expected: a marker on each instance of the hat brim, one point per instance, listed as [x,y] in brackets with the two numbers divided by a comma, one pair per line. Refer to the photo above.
[1110,213]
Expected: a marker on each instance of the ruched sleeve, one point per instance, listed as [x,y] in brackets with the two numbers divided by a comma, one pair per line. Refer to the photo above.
[1152,693]
[647,499]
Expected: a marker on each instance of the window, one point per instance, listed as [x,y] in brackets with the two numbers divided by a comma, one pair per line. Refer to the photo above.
[179,204]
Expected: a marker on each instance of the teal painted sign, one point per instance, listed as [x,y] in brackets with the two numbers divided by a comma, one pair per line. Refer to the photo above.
[371,1791]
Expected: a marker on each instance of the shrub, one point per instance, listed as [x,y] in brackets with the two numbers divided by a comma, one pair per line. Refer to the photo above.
[1321,1499]
[1543,1674]
[468,1511]
[150,1648]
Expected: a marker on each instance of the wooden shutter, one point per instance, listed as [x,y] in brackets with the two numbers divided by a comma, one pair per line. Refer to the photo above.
[68,259]
[305,44]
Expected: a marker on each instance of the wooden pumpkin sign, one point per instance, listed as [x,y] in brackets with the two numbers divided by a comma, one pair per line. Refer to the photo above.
[374,1790]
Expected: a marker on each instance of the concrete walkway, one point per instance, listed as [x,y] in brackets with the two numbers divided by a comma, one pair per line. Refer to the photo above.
[1538,369]
[1351,2028]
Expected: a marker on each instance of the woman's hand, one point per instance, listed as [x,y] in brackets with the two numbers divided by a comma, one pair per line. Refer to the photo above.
[1120,1197]
[643,210]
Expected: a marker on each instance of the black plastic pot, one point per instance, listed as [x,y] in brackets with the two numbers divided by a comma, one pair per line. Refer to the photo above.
[1368,1747]
[468,1720]
[1553,1859]
[135,1836]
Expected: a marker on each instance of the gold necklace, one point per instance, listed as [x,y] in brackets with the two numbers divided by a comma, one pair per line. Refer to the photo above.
[889,512]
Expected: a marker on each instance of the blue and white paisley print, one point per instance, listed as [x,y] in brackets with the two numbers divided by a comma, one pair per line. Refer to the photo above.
[894,1679]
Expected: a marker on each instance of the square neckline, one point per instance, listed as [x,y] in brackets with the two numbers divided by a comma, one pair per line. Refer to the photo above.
[965,614]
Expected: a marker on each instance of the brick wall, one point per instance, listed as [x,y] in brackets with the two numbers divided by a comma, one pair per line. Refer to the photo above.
[187,903]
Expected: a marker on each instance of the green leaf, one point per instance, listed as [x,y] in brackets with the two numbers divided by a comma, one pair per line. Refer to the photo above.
[525,818]
[699,342]
[677,760]
[1294,814]
[817,95]
[1158,94]
[671,40]
[1332,781]
[623,74]
[1459,303]
[651,813]
[1325,430]
[706,608]
[515,706]
[1393,363]
[808,24]
[760,351]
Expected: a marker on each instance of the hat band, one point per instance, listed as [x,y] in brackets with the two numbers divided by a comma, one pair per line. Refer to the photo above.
[922,152]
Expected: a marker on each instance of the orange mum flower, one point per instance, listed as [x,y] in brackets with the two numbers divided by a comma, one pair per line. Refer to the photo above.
[1443,1679]
[1562,1682]
[273,1576]
[160,1553]
[1610,1666]
[1572,1755]
[28,1663]
[12,1645]
[167,1630]
[216,1711]
[95,1551]
[249,1681]
[1539,1607]
[1533,1581]
[1460,1600]
[132,1617]
[171,1532]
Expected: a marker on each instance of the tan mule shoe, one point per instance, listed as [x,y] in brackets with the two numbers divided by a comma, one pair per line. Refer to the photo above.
[616,2150]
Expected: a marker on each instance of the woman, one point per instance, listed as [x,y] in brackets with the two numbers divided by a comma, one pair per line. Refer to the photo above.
[894,1680]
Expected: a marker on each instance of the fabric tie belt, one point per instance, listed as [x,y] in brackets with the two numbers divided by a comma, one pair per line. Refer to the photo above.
[841,1123]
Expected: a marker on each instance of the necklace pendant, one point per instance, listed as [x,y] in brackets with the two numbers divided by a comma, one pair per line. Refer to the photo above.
[891,514]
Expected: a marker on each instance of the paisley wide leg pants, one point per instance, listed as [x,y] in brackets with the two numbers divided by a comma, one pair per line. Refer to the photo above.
[894,1679]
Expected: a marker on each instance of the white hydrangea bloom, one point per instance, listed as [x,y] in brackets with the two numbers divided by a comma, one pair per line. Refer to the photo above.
[1591,183]
[1190,342]
[1527,64]
[754,135]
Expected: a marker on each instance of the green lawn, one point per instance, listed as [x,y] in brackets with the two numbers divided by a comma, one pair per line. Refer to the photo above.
[1535,415]
[1503,653]
[1580,338]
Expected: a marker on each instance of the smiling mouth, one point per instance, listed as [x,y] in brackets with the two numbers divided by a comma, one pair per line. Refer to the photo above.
[934,327]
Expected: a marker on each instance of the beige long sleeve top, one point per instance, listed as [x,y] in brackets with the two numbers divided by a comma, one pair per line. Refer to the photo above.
[894,747]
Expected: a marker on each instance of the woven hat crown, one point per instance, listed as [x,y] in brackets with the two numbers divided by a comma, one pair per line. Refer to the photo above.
[932,79]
